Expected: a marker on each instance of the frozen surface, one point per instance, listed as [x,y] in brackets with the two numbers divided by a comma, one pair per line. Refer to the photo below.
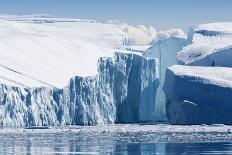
[118,139]
[211,46]
[46,51]
[165,51]
[197,95]
[123,91]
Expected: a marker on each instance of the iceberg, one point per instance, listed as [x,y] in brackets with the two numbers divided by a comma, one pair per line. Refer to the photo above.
[123,91]
[198,95]
[165,50]
[198,90]
[211,45]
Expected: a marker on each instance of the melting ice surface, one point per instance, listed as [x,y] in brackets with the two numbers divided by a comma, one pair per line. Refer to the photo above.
[118,139]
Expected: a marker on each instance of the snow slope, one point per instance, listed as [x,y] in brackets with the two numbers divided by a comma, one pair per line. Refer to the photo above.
[45,51]
[211,46]
[197,95]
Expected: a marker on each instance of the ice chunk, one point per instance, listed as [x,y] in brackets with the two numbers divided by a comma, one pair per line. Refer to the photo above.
[198,95]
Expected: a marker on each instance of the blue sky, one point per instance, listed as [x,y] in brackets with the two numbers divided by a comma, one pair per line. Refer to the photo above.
[162,14]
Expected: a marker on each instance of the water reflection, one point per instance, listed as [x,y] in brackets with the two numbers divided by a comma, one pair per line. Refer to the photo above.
[79,143]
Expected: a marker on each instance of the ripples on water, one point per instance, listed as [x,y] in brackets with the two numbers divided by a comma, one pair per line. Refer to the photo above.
[118,139]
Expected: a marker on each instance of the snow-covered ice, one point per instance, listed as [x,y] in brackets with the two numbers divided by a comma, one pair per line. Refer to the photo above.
[211,46]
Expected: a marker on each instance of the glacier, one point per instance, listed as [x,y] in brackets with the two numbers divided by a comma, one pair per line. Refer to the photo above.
[122,92]
[165,51]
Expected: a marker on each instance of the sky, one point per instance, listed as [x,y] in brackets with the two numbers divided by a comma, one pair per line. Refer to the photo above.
[162,14]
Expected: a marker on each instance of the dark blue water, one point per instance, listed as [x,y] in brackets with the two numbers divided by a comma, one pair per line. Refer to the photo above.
[97,141]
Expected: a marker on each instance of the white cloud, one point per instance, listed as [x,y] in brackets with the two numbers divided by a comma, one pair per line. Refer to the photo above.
[144,35]
[168,33]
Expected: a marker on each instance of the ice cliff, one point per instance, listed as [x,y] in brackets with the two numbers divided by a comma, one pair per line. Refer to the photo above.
[123,91]
[198,95]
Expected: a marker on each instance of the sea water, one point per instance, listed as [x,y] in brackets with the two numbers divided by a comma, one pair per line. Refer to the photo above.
[118,139]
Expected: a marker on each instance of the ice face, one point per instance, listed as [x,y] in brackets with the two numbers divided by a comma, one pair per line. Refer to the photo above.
[211,46]
[123,91]
[198,95]
[21,106]
[135,84]
[165,51]
[90,99]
